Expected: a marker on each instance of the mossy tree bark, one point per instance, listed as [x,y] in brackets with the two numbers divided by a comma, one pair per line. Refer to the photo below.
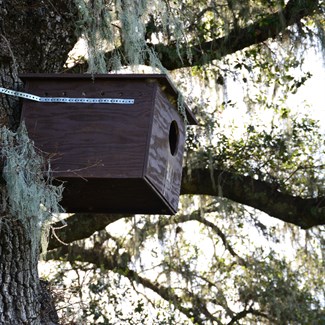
[35,36]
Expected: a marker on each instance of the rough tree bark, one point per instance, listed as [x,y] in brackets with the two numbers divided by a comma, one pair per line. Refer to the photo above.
[302,212]
[19,285]
[23,298]
[35,36]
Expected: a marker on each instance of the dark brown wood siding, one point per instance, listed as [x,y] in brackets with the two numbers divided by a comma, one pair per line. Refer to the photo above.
[91,140]
[164,170]
[113,158]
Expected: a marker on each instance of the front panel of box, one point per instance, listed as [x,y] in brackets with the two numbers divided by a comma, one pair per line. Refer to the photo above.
[91,140]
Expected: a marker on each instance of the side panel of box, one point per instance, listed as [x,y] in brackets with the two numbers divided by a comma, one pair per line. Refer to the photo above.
[164,164]
[91,140]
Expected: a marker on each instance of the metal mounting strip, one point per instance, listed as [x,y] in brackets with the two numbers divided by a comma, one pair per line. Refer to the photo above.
[66,99]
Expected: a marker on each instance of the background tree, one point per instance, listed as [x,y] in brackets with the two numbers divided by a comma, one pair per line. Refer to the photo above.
[274,165]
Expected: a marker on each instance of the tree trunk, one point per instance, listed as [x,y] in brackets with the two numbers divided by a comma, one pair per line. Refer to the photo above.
[21,295]
[35,36]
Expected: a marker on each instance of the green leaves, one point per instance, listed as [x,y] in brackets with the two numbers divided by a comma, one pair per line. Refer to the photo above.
[276,287]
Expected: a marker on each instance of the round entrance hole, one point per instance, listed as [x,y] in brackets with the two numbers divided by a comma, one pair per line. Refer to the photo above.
[173,138]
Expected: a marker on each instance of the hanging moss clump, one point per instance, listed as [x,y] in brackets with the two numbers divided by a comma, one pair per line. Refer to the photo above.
[121,28]
[132,15]
[95,26]
[32,199]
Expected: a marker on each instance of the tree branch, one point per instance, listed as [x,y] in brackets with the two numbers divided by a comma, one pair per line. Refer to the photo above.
[238,38]
[260,195]
[118,264]
[196,216]
[80,226]
[244,313]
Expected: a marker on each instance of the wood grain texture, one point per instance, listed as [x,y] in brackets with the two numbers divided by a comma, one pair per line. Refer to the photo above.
[163,80]
[164,170]
[91,140]
[113,158]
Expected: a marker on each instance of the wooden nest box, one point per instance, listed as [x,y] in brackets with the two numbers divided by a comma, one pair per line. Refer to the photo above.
[116,157]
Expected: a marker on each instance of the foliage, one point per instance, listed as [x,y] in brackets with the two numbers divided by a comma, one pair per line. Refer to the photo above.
[206,269]
[85,293]
[216,262]
[280,155]
[262,137]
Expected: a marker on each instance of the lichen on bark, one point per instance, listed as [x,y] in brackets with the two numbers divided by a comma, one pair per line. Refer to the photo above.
[32,199]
